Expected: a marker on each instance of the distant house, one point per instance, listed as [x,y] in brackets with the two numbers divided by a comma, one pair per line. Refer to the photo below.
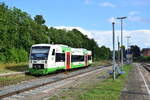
[146,52]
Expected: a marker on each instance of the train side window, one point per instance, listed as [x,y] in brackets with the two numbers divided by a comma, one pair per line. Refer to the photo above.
[77,58]
[60,57]
[89,57]
[53,52]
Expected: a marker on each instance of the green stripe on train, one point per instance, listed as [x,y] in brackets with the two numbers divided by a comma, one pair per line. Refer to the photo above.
[42,71]
[50,70]
[76,66]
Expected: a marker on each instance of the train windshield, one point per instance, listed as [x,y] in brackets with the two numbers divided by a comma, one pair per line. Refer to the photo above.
[40,53]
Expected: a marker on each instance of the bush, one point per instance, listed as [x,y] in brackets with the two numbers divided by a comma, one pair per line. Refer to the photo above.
[143,59]
[14,55]
[22,55]
[2,58]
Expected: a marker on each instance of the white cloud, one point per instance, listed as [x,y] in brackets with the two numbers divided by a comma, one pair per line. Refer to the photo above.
[107,4]
[134,17]
[87,2]
[112,19]
[139,19]
[85,32]
[138,37]
[94,24]
[132,13]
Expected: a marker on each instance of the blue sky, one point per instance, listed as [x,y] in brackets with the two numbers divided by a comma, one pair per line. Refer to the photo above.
[93,16]
[88,14]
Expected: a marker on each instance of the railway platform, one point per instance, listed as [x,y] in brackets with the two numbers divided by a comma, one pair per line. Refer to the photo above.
[137,84]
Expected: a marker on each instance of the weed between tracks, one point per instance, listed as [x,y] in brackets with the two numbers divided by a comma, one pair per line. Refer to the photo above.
[107,89]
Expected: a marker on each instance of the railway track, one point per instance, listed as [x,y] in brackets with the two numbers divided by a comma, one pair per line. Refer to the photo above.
[43,81]
[146,66]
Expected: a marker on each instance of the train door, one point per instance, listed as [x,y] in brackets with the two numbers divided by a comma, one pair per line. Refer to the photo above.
[52,59]
[68,60]
[86,60]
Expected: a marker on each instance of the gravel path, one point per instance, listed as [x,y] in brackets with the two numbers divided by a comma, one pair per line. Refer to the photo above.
[135,88]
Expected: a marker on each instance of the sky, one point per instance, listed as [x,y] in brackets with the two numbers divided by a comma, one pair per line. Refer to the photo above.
[94,17]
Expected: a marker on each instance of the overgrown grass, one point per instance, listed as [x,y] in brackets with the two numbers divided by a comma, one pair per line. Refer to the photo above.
[9,80]
[8,68]
[101,63]
[5,68]
[109,89]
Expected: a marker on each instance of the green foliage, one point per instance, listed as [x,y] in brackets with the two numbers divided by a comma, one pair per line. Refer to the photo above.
[135,50]
[39,19]
[18,31]
[16,55]
[2,57]
[105,53]
[143,59]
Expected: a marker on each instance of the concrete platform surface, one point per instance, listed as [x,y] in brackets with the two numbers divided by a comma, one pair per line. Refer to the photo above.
[137,84]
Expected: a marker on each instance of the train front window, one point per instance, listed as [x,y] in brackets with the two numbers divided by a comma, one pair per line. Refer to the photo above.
[40,53]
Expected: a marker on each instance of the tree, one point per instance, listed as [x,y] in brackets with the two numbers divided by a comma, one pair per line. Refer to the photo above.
[135,50]
[39,19]
[18,32]
[105,53]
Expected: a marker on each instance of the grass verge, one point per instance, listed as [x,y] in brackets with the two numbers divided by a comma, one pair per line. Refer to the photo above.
[109,89]
[101,63]
[9,80]
[5,68]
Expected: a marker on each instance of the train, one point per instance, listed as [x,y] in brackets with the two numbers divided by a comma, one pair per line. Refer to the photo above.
[48,58]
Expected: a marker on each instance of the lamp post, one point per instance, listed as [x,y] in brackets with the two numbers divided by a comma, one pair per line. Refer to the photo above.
[113,38]
[121,19]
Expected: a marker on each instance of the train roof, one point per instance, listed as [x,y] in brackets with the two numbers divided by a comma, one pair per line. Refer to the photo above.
[61,45]
[50,45]
[78,49]
[41,45]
